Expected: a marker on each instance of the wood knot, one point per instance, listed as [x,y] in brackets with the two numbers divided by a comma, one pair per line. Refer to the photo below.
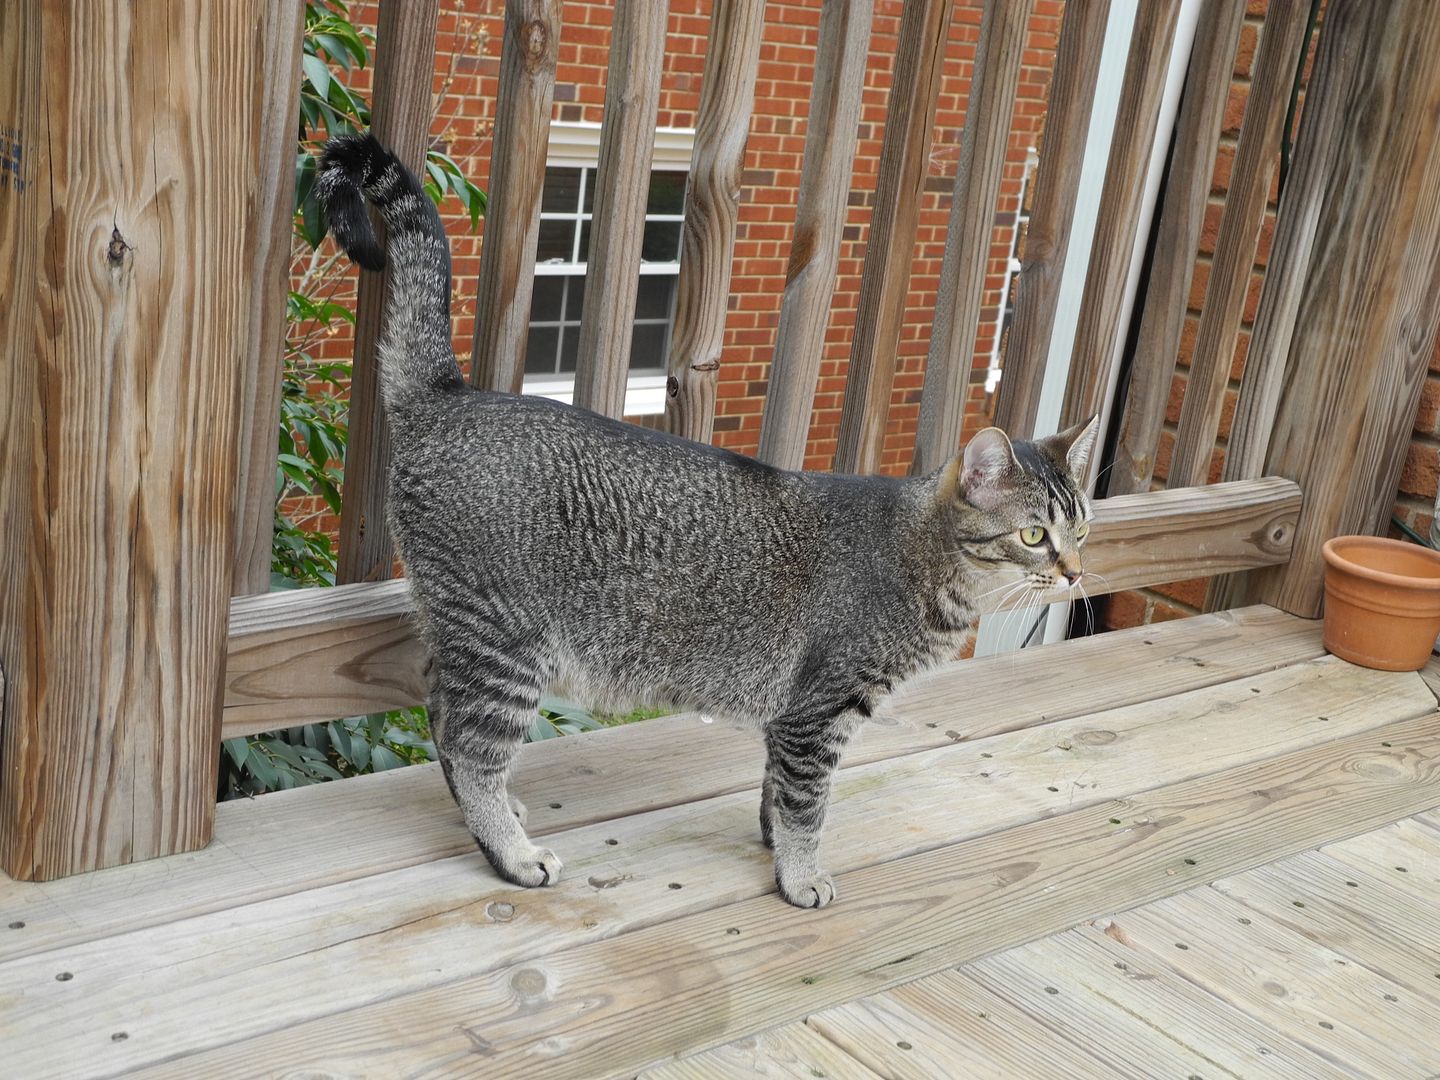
[529,982]
[115,252]
[672,387]
[706,365]
[536,38]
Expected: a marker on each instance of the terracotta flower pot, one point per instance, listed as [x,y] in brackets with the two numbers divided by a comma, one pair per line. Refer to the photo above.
[1382,602]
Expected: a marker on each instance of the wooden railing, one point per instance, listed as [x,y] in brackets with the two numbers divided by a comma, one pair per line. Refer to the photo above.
[298,656]
[1344,324]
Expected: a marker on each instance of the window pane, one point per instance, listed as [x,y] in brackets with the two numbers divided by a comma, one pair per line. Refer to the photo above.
[662,242]
[540,350]
[652,299]
[568,348]
[545,302]
[556,240]
[575,299]
[647,348]
[589,191]
[667,193]
[585,241]
[562,191]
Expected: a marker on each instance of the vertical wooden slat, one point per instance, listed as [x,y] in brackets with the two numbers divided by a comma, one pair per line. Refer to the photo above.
[24,536]
[1256,158]
[517,180]
[400,118]
[712,210]
[622,186]
[129,171]
[1047,237]
[277,99]
[1099,331]
[841,57]
[972,221]
[1367,318]
[1182,215]
[885,279]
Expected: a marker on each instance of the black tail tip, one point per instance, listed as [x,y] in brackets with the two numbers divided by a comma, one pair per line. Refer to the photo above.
[359,156]
[347,163]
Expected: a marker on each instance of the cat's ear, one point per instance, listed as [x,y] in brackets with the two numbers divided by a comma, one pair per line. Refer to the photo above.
[985,473]
[1074,446]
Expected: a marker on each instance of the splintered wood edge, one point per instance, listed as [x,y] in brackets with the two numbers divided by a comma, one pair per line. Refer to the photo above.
[314,654]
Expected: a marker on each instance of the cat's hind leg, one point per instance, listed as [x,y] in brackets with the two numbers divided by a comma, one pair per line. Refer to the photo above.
[487,697]
[803,752]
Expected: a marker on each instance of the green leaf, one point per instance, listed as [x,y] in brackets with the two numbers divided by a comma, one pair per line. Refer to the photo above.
[340,738]
[335,48]
[237,750]
[263,771]
[385,759]
[318,74]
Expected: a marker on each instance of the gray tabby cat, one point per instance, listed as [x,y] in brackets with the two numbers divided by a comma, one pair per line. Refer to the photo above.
[547,546]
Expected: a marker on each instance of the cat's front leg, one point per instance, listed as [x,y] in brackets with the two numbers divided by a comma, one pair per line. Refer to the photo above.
[802,755]
[483,712]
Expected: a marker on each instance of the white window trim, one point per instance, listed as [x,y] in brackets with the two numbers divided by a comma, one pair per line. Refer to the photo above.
[644,394]
[576,145]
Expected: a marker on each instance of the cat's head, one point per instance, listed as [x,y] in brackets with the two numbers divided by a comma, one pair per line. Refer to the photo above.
[1023,504]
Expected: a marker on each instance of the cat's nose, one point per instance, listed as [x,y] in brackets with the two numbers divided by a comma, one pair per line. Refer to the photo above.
[1071,576]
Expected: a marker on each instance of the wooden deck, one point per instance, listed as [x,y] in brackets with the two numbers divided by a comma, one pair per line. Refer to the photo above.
[1196,849]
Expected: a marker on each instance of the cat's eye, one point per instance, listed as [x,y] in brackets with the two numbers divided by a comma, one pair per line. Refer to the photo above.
[1082,530]
[1032,536]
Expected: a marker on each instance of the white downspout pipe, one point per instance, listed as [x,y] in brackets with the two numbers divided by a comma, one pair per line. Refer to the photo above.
[1006,632]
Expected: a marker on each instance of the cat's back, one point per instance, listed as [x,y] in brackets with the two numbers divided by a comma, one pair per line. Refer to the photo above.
[539,477]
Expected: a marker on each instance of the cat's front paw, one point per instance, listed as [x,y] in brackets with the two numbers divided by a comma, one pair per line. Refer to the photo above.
[529,866]
[810,892]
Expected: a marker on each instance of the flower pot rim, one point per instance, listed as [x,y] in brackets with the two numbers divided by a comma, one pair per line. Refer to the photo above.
[1335,558]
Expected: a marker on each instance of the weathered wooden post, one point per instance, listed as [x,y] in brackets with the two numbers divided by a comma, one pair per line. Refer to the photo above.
[1349,316]
[128,175]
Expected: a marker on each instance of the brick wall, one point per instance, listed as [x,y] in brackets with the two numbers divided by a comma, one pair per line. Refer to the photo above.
[465,87]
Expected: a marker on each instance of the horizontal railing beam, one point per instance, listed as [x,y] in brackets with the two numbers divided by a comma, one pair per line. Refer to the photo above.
[315,654]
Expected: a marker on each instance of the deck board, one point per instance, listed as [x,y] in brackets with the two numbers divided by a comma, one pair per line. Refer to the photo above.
[951,842]
[795,1051]
[610,1008]
[388,935]
[285,843]
[1350,912]
[949,1025]
[1341,1009]
[1140,1016]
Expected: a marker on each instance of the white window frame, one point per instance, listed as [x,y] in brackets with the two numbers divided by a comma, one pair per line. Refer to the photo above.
[577,146]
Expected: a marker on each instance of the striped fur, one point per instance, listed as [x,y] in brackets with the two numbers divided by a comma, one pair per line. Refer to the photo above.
[548,547]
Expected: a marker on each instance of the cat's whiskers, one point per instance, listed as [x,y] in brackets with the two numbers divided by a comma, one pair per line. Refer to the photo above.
[991,592]
[1089,608]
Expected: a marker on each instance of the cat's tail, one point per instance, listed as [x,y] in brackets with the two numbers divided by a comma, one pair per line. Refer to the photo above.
[414,346]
